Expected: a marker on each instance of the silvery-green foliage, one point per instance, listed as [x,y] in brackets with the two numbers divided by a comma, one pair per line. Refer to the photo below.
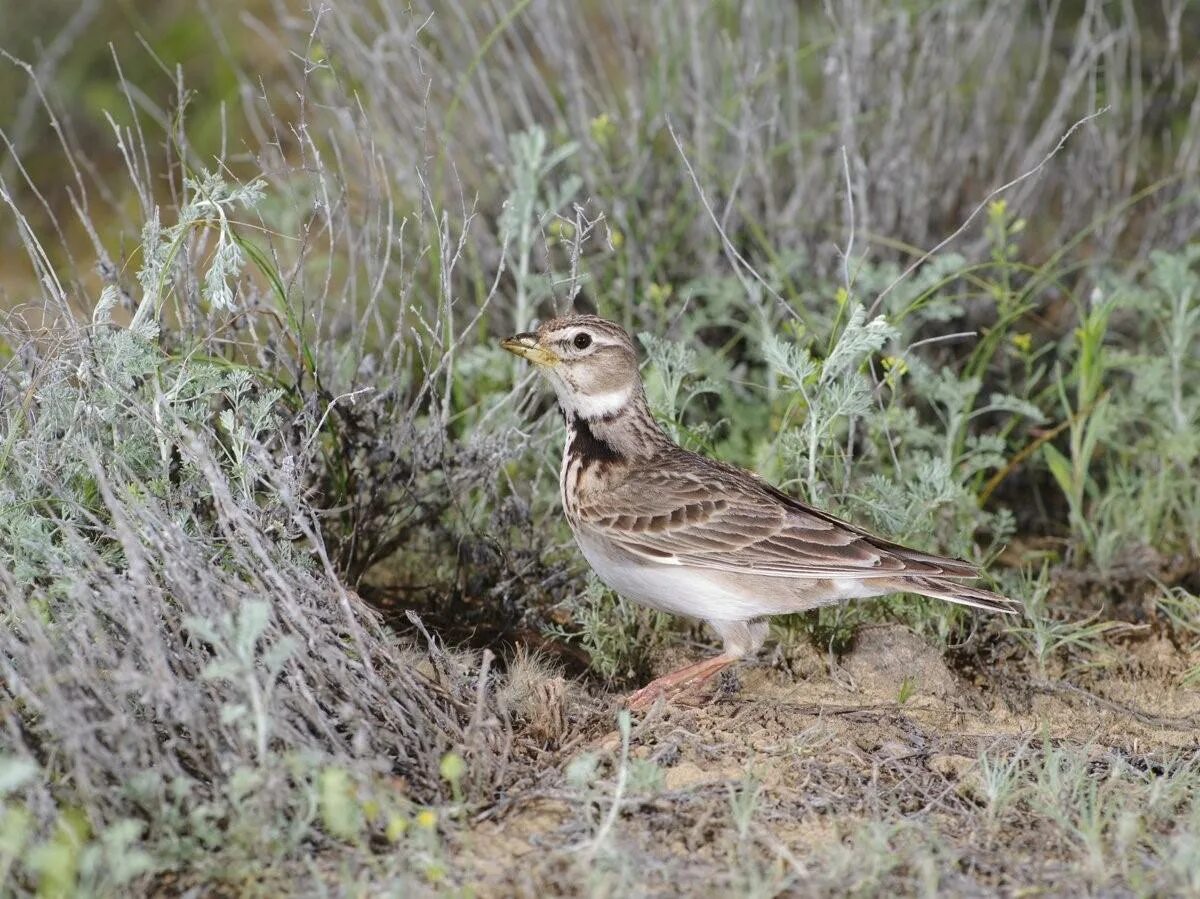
[1166,378]
[1153,438]
[832,390]
[955,403]
[926,493]
[859,338]
[210,201]
[249,416]
[923,296]
[249,668]
[534,199]
[618,635]
[789,360]
[160,571]
[15,773]
[212,197]
[114,402]
[672,384]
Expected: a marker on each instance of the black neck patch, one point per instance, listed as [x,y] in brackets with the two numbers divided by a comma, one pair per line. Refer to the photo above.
[589,447]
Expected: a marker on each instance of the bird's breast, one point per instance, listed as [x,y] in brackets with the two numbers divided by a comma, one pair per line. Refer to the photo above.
[589,465]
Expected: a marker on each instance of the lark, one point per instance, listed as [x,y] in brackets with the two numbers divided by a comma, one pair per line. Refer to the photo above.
[688,535]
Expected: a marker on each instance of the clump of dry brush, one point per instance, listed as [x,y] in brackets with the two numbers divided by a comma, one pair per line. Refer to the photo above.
[184,679]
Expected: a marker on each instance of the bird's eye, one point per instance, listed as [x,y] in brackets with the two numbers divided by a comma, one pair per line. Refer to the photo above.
[583,340]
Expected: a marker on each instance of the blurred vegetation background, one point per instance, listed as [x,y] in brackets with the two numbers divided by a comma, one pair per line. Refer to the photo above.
[210,61]
[72,55]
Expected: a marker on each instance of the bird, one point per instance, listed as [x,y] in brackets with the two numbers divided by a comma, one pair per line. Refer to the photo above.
[692,536]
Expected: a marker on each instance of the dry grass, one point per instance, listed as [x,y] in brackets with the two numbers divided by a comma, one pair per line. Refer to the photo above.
[806,783]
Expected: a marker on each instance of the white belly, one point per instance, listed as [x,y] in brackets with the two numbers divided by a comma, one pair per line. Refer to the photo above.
[677,589]
[716,595]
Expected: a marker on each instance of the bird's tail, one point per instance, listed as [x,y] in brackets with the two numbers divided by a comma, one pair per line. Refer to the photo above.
[962,594]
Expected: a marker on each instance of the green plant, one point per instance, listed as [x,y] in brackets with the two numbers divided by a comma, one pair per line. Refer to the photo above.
[620,637]
[1047,637]
[999,778]
[1182,610]
[530,207]
[1087,414]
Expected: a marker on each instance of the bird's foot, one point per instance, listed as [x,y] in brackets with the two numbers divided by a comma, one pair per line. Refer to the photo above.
[675,685]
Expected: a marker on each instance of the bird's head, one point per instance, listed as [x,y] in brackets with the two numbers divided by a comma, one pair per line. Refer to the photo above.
[590,361]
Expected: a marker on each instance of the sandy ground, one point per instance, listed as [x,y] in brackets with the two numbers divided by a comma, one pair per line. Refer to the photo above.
[815,748]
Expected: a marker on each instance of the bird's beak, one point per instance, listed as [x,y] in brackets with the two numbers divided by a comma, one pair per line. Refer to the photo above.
[526,346]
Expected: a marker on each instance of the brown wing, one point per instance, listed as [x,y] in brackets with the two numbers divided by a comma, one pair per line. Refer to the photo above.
[711,515]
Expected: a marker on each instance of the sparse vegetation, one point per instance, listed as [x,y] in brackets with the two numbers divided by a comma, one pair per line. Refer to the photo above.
[289,605]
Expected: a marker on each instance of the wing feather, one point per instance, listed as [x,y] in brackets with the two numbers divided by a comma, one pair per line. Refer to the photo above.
[694,511]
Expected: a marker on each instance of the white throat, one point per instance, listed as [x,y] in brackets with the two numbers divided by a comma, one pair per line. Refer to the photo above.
[601,405]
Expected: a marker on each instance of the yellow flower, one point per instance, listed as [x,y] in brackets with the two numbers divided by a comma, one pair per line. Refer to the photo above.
[396,827]
[659,293]
[603,128]
[427,818]
[453,767]
[1023,341]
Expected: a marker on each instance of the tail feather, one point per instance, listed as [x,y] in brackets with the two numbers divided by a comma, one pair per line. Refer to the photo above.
[963,595]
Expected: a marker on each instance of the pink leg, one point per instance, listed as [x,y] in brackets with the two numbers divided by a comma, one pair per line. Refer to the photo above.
[678,682]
